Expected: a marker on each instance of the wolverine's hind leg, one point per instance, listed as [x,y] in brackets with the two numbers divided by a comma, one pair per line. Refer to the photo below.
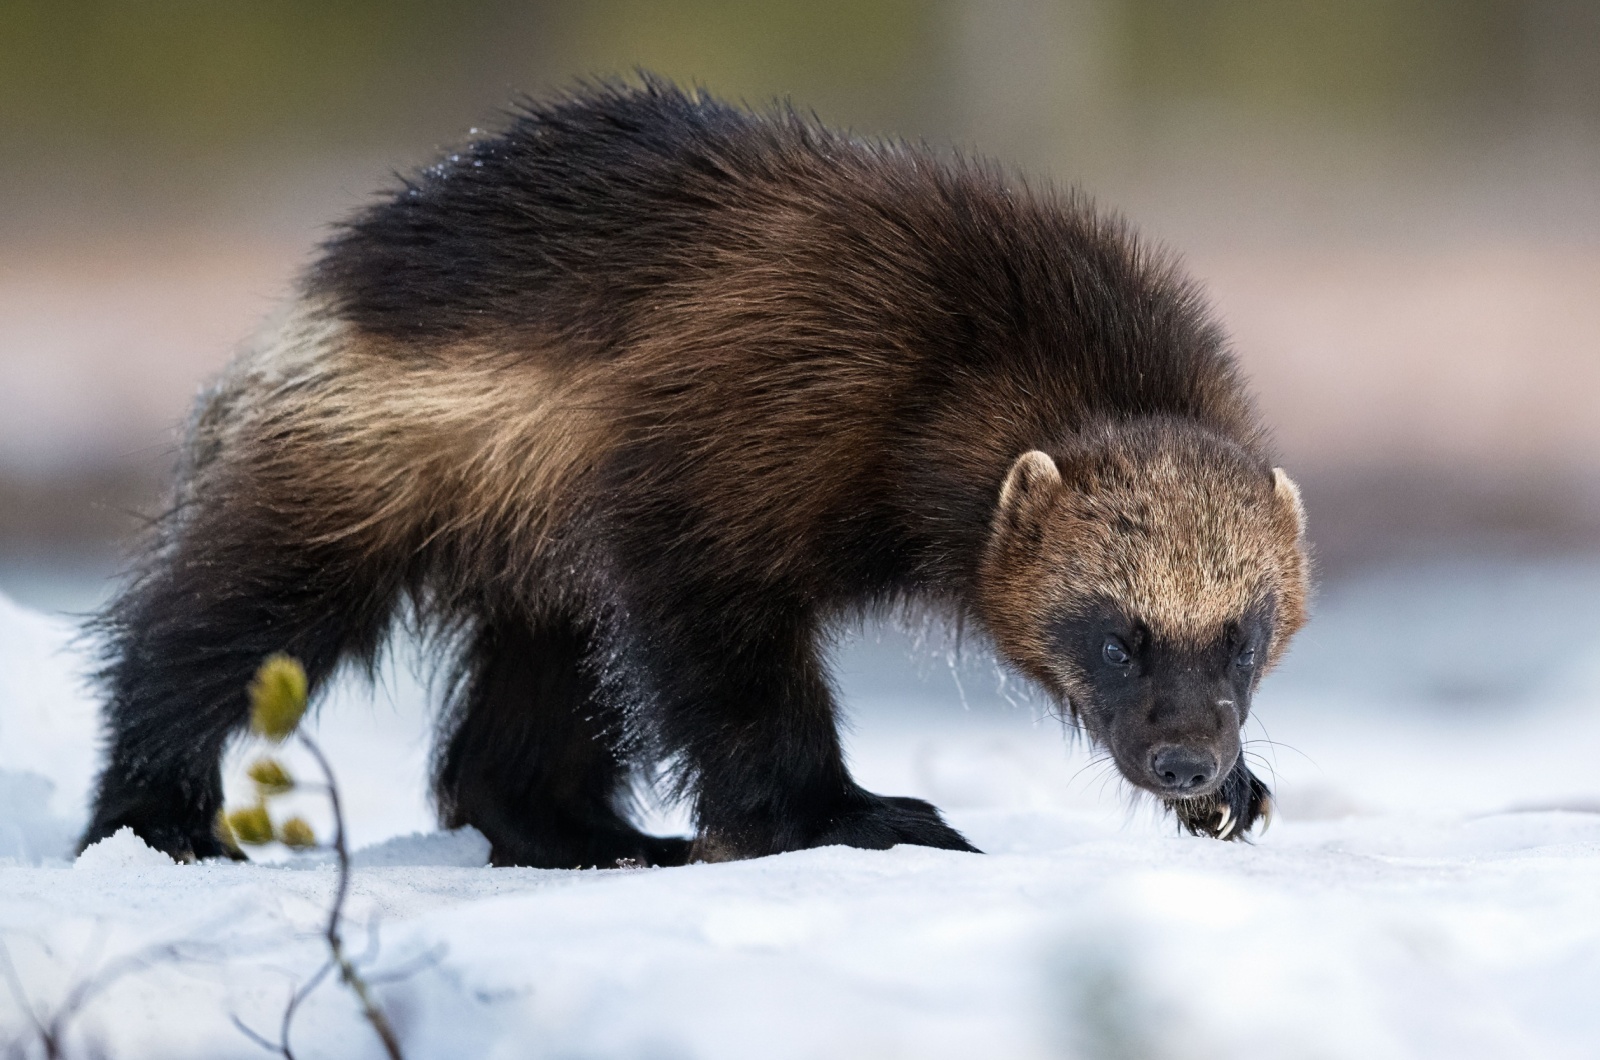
[182,643]
[528,755]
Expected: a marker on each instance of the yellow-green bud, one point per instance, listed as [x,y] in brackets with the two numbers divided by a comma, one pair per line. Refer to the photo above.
[251,826]
[297,834]
[223,833]
[270,777]
[278,697]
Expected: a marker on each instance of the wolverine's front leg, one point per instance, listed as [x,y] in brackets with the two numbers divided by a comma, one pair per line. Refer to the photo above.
[1232,810]
[742,701]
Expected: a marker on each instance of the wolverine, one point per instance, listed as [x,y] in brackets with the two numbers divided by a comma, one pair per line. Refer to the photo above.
[631,405]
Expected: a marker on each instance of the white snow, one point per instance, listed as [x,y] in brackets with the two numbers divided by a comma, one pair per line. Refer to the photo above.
[121,854]
[1431,889]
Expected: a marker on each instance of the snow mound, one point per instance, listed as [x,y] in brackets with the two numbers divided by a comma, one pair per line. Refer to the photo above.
[121,852]
[462,848]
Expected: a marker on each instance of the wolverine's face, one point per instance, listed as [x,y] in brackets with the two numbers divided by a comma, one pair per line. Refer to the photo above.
[1148,577]
[1168,709]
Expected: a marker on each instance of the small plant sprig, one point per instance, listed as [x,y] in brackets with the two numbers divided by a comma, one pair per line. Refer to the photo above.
[277,705]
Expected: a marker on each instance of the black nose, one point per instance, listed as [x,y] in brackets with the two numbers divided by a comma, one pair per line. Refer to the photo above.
[1181,768]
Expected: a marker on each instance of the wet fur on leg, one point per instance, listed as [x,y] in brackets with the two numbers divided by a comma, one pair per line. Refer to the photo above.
[529,754]
[182,643]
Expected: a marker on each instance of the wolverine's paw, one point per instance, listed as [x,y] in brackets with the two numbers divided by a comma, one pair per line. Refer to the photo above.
[635,850]
[600,849]
[662,851]
[887,821]
[868,821]
[1231,811]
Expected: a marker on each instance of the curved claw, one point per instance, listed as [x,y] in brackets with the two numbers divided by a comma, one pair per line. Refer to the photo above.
[1224,817]
[1266,814]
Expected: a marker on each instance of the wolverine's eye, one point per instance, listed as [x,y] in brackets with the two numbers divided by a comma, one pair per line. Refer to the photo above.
[1247,659]
[1116,652]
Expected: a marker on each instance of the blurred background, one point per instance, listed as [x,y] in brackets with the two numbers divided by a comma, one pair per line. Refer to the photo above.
[1395,204]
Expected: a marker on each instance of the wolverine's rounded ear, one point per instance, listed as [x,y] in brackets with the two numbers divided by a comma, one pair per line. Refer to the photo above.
[1287,494]
[1033,478]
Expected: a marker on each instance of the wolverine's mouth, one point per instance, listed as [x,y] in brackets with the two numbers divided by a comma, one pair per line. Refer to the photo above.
[1230,807]
[1241,804]
[1224,822]
[1218,819]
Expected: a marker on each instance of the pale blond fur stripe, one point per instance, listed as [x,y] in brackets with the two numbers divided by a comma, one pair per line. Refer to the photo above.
[395,445]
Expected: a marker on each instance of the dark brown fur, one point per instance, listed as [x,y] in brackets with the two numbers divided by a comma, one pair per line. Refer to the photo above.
[637,399]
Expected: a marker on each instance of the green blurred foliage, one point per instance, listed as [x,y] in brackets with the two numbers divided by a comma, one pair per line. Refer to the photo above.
[195,74]
[872,62]
[187,76]
[1354,60]
[195,79]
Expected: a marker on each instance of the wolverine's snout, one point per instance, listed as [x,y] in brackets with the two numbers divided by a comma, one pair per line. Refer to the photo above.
[1185,771]
[1176,745]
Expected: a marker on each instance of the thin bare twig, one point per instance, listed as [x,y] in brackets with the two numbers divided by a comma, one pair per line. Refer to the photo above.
[429,958]
[347,969]
[250,1032]
[19,994]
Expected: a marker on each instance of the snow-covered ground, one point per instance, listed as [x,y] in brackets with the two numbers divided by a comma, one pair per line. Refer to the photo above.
[1431,888]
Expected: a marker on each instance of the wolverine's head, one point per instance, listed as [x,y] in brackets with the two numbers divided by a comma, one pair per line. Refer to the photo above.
[1148,573]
